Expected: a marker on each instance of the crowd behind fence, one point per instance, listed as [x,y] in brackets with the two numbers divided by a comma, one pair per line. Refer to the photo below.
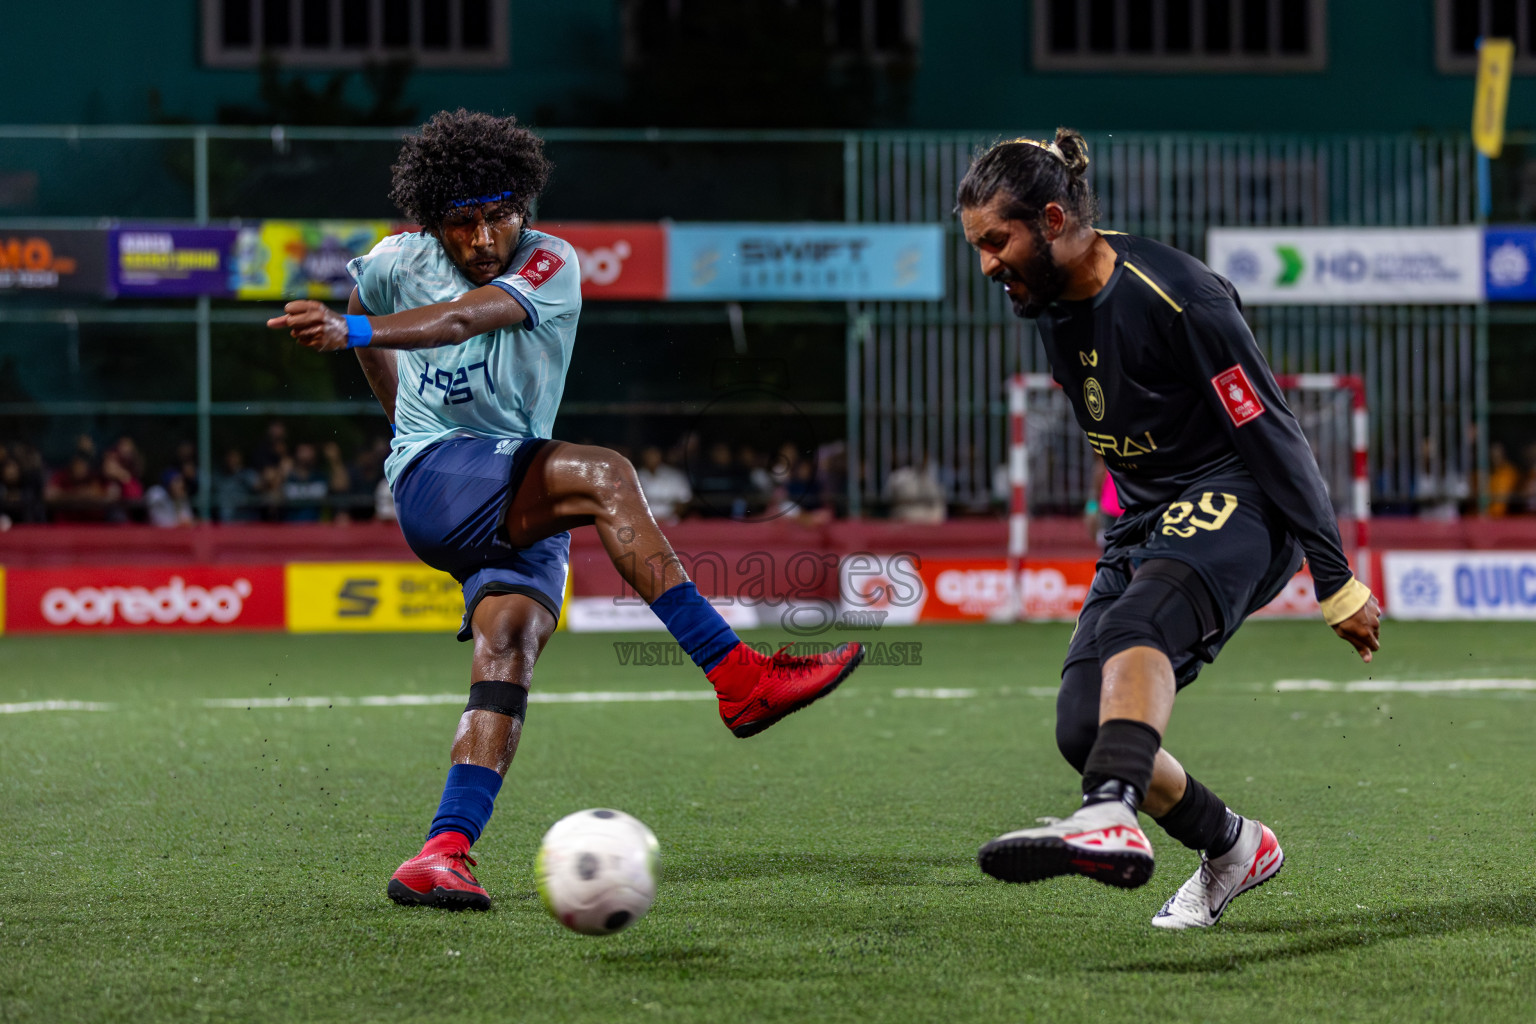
[923,408]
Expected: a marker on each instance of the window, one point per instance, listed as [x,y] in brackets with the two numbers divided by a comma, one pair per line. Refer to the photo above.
[351,33]
[872,29]
[1181,35]
[1461,23]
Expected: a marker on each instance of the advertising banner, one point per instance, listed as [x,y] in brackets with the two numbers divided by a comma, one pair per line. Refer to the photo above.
[144,598]
[302,259]
[67,261]
[2,600]
[909,589]
[147,260]
[1509,263]
[1461,584]
[371,597]
[805,261]
[1323,266]
[618,261]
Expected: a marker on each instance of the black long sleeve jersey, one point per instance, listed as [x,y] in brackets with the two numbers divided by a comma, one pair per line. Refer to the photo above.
[1167,381]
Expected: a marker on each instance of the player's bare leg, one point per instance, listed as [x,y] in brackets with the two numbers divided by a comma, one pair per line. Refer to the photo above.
[510,631]
[568,485]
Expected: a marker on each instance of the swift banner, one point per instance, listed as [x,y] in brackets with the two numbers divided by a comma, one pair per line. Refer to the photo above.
[146,260]
[302,259]
[618,261]
[805,261]
[144,599]
[1461,584]
[1324,266]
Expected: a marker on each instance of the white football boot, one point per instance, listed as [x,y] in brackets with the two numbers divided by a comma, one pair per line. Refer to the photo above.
[1200,902]
[1102,841]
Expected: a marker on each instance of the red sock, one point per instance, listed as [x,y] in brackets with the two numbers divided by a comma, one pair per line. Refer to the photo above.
[737,672]
[447,842]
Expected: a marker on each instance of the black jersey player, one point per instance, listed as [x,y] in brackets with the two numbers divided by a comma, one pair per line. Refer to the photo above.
[1223,500]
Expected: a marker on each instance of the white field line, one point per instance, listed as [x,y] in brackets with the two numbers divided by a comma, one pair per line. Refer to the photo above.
[1419,686]
[1403,686]
[54,705]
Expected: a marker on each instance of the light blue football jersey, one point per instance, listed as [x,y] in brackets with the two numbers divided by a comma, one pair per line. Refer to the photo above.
[505,383]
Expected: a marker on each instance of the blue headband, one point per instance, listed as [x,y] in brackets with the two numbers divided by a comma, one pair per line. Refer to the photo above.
[494,197]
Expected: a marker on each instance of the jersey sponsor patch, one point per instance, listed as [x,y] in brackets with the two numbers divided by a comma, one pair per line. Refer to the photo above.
[1236,392]
[541,266]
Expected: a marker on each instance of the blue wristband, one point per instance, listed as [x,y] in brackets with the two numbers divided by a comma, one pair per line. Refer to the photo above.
[359,331]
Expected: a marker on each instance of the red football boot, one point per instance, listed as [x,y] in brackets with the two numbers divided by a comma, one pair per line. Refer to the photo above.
[756,691]
[439,876]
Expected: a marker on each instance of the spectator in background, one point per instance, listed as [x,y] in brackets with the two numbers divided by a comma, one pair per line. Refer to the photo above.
[235,489]
[304,487]
[274,450]
[363,479]
[77,493]
[915,494]
[665,487]
[22,484]
[128,453]
[1503,481]
[125,491]
[338,481]
[719,486]
[184,466]
[168,503]
[1438,490]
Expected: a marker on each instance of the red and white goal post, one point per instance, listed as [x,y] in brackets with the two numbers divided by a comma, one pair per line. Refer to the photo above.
[1304,393]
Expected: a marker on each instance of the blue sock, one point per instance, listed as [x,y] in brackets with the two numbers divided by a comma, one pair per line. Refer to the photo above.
[468,797]
[695,625]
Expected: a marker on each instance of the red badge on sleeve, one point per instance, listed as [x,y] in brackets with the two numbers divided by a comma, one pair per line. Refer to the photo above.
[1237,395]
[541,266]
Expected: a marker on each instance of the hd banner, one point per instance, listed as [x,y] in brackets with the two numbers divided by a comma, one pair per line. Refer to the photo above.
[68,261]
[1329,266]
[807,262]
[1461,584]
[154,261]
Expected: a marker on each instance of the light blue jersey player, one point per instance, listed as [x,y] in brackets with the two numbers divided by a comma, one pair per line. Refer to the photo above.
[465,332]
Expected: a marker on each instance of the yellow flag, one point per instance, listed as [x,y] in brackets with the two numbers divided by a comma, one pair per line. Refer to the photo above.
[1495,61]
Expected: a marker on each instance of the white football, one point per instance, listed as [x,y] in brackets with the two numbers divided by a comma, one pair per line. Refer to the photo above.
[597,871]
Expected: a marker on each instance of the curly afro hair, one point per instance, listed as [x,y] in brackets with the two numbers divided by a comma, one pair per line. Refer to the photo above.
[460,154]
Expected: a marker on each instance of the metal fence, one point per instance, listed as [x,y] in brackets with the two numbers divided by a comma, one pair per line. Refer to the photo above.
[929,380]
[924,381]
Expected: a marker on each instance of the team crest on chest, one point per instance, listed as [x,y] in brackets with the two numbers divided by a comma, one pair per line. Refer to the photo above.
[1093,397]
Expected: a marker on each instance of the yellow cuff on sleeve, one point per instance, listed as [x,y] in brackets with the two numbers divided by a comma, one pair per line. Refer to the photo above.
[1345,601]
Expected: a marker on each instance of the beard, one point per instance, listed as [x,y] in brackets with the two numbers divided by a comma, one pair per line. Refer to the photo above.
[1043,276]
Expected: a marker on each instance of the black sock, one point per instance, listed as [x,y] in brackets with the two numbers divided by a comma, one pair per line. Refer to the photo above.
[1201,821]
[1123,752]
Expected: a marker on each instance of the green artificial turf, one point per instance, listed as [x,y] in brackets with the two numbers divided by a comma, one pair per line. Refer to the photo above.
[170,861]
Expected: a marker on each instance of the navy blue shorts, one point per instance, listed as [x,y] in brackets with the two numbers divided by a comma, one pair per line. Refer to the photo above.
[452,505]
[1228,531]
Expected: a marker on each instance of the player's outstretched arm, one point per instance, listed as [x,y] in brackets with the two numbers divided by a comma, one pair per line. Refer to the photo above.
[317,326]
[378,365]
[1363,629]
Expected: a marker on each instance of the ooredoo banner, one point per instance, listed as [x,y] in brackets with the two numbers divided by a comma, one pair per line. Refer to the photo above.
[140,598]
[618,261]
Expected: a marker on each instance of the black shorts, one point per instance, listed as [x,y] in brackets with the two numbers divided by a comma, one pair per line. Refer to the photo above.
[1227,531]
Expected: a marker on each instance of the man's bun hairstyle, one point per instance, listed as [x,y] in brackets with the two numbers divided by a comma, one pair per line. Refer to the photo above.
[1032,173]
[460,155]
